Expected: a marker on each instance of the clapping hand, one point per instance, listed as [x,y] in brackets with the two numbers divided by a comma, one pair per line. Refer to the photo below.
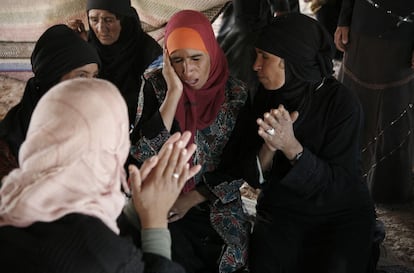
[276,129]
[156,186]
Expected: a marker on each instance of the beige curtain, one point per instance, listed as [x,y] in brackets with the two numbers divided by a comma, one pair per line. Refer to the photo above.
[26,20]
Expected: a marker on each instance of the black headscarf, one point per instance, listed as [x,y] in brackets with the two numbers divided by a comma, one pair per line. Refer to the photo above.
[124,62]
[307,50]
[301,41]
[118,7]
[58,51]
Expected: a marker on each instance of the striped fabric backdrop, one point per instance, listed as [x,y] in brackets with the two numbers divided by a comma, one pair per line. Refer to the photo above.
[26,20]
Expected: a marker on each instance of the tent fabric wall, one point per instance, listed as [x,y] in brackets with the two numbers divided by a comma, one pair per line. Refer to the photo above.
[26,20]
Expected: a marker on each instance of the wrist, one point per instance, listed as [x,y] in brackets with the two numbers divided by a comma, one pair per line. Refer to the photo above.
[294,153]
[266,157]
[174,93]
[296,158]
[154,220]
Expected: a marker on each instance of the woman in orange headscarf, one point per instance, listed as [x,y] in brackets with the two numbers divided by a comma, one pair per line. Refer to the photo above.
[193,91]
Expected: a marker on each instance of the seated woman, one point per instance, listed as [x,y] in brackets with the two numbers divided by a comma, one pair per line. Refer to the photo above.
[300,145]
[58,55]
[241,22]
[125,49]
[193,91]
[58,210]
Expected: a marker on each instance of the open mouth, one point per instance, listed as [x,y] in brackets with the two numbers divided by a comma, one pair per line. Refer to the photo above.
[191,82]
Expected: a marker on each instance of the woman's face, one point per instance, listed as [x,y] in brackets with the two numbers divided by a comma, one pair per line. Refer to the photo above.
[86,71]
[270,69]
[192,66]
[105,25]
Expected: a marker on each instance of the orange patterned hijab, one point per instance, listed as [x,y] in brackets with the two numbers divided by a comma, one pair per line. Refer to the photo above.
[198,108]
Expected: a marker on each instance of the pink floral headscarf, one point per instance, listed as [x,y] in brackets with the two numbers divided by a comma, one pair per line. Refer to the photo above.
[72,159]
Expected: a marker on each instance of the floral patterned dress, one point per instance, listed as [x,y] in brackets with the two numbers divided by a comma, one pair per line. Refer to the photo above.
[227,216]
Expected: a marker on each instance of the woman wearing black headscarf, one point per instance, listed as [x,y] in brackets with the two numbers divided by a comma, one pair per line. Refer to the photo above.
[124,48]
[301,147]
[59,54]
[240,24]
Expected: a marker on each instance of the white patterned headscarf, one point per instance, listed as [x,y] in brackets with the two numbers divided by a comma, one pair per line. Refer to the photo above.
[73,158]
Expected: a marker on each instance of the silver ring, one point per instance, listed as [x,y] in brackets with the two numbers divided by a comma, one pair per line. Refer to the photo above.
[271,131]
[176,175]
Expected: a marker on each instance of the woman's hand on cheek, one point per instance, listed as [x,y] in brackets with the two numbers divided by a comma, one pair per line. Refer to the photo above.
[174,83]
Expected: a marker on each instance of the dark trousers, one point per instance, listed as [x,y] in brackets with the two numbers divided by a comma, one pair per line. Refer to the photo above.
[328,16]
[292,244]
[195,244]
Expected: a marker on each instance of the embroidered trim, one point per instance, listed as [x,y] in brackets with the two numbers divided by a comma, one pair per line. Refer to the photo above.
[380,134]
[376,86]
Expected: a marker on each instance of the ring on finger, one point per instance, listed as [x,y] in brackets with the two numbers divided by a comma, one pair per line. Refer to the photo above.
[271,131]
[176,175]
